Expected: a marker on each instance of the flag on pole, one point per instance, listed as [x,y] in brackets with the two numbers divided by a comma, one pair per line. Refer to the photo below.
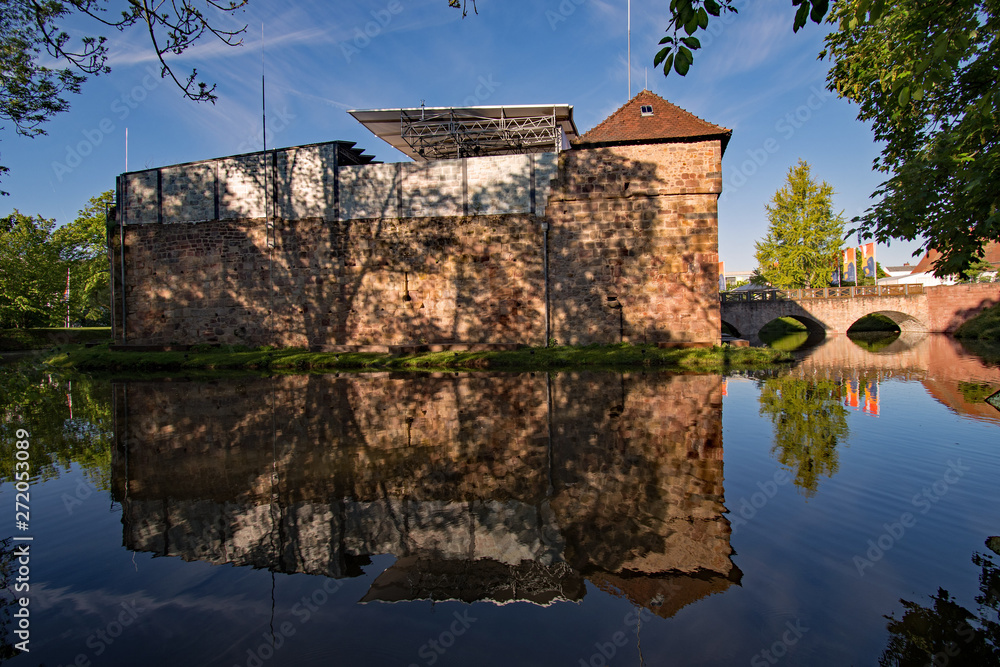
[850,273]
[871,398]
[867,252]
[852,390]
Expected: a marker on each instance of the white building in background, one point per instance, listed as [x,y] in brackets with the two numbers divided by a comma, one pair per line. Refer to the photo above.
[727,279]
[923,272]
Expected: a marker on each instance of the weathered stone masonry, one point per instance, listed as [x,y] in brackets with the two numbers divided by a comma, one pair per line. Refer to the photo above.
[447,251]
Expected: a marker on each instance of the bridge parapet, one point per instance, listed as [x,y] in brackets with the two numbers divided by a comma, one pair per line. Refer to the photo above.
[820,293]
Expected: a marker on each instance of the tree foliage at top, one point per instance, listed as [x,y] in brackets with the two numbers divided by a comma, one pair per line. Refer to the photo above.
[924,75]
[32,37]
[802,245]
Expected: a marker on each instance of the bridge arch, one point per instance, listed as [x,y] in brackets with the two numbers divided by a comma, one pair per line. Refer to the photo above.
[727,327]
[905,321]
[812,325]
[778,334]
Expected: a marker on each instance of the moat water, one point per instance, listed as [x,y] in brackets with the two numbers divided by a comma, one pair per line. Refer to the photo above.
[835,512]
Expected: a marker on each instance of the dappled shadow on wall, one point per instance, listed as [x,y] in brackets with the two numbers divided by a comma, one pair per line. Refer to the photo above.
[484,487]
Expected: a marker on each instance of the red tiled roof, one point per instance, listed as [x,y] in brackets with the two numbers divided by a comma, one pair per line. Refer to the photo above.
[991,253]
[668,122]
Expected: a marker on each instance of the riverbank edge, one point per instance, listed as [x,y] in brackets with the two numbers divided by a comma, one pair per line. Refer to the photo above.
[985,325]
[621,356]
[26,340]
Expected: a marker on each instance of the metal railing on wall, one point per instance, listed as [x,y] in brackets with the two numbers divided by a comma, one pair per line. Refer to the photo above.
[750,296]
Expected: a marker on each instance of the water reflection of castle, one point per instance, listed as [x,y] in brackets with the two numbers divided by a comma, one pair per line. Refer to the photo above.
[498,487]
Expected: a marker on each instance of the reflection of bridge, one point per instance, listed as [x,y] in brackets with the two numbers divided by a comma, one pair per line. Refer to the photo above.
[913,308]
[938,362]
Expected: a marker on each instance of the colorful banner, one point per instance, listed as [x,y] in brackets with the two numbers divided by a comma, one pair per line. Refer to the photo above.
[871,398]
[867,257]
[852,391]
[850,274]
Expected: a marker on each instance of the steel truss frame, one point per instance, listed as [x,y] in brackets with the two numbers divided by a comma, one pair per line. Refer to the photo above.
[457,133]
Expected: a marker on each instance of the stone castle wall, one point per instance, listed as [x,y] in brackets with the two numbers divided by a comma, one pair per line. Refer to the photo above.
[450,251]
[634,240]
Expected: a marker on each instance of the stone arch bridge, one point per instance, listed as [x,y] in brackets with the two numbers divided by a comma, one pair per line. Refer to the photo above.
[914,308]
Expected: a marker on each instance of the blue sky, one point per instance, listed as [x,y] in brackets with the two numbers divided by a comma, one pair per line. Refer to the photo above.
[754,76]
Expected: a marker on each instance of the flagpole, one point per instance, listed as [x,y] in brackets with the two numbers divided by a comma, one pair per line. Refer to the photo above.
[67,297]
[875,258]
[629,64]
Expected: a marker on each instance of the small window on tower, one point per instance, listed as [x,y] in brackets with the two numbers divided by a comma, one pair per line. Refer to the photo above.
[646,110]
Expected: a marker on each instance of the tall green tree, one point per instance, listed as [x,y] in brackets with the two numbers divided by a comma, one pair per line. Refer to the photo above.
[82,247]
[32,280]
[803,238]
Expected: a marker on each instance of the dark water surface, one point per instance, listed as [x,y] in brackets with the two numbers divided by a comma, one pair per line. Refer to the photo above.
[833,513]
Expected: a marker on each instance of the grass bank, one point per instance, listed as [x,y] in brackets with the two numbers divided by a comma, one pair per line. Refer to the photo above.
[984,326]
[599,357]
[18,340]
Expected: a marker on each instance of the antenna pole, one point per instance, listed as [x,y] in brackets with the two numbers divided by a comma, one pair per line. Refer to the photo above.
[263,127]
[268,222]
[629,49]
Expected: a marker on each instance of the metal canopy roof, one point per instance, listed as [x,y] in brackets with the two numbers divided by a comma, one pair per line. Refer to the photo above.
[430,133]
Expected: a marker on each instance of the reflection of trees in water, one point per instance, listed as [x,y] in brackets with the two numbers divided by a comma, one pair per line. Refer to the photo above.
[8,568]
[69,421]
[987,350]
[809,422]
[874,341]
[946,632]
